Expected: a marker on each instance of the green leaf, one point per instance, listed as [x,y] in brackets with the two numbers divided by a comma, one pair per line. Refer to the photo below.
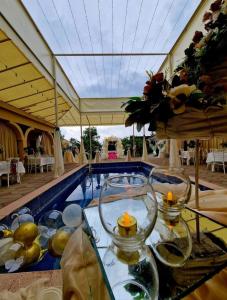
[139,126]
[136,98]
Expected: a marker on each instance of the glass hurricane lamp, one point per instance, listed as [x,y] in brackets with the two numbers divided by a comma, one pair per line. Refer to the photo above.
[171,238]
[128,211]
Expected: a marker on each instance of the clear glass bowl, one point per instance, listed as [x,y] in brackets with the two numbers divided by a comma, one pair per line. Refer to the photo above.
[128,210]
[171,240]
[172,187]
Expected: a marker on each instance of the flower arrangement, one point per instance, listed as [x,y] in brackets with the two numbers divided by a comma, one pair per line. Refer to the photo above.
[193,87]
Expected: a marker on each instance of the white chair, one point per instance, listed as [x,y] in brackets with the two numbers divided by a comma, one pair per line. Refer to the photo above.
[5,169]
[33,164]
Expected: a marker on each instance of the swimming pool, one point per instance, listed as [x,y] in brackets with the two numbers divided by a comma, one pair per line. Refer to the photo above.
[80,188]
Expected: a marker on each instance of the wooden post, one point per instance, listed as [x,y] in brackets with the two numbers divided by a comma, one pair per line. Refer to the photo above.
[133,140]
[90,143]
[197,188]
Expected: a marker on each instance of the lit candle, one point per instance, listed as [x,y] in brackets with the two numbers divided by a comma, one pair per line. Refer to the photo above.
[127,225]
[170,198]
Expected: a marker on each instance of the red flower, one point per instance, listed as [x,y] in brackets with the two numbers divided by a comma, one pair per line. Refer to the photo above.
[158,77]
[197,36]
[216,5]
[147,89]
[183,75]
[207,16]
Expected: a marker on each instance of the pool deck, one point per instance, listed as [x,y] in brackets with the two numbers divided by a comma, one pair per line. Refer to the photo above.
[34,184]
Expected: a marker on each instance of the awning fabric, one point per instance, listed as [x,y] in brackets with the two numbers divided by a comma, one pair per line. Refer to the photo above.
[24,87]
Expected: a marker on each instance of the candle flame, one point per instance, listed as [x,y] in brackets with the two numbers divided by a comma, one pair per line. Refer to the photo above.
[126,219]
[169,196]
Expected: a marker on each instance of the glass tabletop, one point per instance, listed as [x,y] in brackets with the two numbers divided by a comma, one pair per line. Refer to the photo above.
[207,258]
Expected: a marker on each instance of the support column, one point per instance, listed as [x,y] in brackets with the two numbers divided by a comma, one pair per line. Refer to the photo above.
[133,141]
[55,92]
[59,162]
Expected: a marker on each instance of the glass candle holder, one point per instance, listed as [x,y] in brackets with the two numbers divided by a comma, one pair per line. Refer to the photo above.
[128,211]
[172,188]
[171,238]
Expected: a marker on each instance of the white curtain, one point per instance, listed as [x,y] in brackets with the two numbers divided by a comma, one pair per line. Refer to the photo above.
[82,155]
[128,155]
[144,155]
[59,163]
[174,159]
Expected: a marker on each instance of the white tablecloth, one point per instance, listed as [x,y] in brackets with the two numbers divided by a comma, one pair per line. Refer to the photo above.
[41,161]
[216,157]
[187,155]
[5,167]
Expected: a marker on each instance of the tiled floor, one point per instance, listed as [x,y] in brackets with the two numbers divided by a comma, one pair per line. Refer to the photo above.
[29,183]
[217,178]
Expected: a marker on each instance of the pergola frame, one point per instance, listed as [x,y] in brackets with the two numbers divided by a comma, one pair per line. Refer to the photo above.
[55,55]
[113,54]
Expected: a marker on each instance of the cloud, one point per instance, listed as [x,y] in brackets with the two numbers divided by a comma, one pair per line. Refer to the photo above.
[110,76]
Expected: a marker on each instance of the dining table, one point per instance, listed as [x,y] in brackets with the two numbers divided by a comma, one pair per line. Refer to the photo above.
[5,169]
[41,161]
[216,157]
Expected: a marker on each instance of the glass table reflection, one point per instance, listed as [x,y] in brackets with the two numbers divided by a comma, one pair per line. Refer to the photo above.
[207,258]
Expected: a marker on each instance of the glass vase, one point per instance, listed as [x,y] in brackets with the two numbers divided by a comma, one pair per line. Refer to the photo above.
[128,211]
[171,238]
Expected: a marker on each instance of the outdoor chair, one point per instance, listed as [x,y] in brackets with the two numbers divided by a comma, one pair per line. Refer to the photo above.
[33,164]
[5,170]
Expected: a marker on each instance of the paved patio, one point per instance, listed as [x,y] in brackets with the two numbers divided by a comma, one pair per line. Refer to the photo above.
[216,178]
[29,183]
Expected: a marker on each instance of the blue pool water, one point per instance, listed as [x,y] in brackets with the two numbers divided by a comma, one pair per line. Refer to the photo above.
[80,188]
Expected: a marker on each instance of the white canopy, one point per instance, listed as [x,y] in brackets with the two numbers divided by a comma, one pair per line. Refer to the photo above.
[26,59]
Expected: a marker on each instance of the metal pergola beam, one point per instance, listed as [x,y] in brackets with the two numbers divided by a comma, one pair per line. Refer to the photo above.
[112,54]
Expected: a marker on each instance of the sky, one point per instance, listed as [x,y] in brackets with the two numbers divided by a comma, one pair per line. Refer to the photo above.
[108,26]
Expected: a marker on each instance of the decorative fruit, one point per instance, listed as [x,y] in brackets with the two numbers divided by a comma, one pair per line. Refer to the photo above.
[26,233]
[58,242]
[6,233]
[30,254]
[72,215]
